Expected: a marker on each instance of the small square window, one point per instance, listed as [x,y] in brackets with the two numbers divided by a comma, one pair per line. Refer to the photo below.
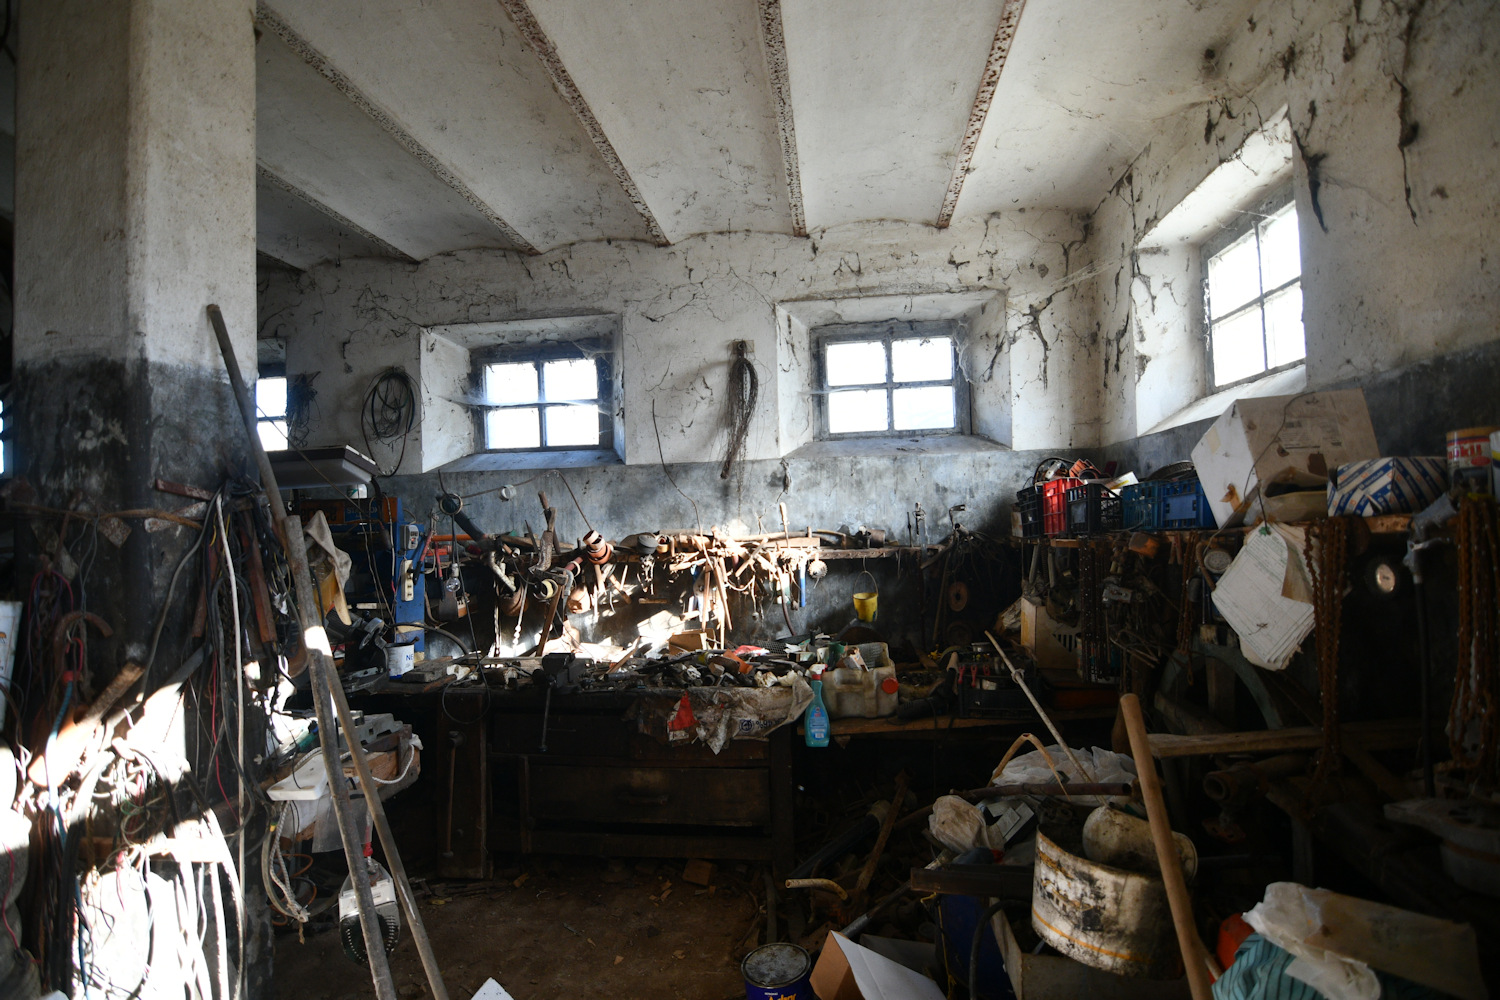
[270,406]
[1253,300]
[544,402]
[890,383]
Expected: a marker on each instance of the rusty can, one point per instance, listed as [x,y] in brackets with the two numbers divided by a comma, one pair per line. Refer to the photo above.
[1469,459]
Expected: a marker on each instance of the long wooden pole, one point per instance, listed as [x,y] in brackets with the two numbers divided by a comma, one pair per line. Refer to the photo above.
[1016,676]
[328,700]
[1193,953]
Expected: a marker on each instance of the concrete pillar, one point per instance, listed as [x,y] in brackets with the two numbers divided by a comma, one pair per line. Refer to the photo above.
[135,208]
[135,195]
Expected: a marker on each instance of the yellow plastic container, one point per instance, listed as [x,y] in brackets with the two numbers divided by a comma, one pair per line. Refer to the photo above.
[864,603]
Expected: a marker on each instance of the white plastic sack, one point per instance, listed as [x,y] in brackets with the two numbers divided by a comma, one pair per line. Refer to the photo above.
[959,825]
[1337,939]
[1102,765]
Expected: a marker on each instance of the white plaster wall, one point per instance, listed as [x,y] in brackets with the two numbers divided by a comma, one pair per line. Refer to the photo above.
[136,177]
[1392,279]
[682,307]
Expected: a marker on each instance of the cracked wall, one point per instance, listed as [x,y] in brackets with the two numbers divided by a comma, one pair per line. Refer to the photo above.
[1394,119]
[681,309]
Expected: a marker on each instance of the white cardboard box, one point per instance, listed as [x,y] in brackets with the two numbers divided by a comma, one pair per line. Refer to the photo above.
[1277,441]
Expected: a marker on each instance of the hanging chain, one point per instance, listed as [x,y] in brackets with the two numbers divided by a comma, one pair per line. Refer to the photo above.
[1187,616]
[1474,716]
[1324,548]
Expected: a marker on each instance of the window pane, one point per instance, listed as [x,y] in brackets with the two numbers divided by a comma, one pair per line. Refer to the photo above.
[510,383]
[1284,343]
[572,426]
[929,408]
[921,359]
[576,378]
[1233,276]
[1238,348]
[857,410]
[855,363]
[517,428]
[272,434]
[270,397]
[1280,254]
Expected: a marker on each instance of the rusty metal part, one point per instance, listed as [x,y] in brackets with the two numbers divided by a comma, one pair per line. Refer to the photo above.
[1005,34]
[531,30]
[886,826]
[268,19]
[774,41]
[825,884]
[1238,784]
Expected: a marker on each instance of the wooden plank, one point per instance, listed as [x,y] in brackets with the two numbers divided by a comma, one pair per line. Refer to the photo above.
[1380,735]
[924,727]
[999,881]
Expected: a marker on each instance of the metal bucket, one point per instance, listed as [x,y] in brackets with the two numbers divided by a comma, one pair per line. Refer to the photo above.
[1104,917]
[777,971]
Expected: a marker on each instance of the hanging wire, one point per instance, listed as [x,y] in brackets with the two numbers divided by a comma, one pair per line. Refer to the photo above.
[389,412]
[744,390]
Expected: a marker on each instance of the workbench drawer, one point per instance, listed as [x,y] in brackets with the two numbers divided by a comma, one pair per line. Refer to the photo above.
[696,796]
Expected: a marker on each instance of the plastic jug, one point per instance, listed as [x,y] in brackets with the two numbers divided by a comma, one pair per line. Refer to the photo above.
[815,721]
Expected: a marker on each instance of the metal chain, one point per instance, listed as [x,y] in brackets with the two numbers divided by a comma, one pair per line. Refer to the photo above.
[1187,609]
[1324,548]
[1474,716]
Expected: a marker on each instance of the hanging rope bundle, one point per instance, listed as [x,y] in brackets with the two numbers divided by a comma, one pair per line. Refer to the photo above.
[744,389]
[389,412]
[1324,548]
[1474,717]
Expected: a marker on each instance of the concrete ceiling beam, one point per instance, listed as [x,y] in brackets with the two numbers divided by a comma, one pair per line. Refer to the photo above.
[1005,34]
[268,176]
[773,38]
[268,19]
[532,32]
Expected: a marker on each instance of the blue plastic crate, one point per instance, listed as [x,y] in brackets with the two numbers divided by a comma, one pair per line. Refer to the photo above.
[1182,504]
[1140,508]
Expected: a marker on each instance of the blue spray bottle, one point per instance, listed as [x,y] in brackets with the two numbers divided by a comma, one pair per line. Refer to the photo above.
[815,721]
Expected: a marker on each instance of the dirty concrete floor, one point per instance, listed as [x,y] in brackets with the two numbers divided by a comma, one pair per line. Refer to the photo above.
[573,927]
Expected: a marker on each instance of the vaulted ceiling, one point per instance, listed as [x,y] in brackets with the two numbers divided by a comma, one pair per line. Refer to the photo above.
[408,128]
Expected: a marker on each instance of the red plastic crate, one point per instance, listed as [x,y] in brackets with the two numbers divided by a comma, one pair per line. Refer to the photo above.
[1055,505]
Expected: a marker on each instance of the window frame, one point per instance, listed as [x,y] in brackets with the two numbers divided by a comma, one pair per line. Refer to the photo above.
[274,371]
[1252,220]
[885,334]
[597,351]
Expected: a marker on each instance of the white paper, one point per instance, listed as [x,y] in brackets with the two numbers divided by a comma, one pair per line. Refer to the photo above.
[878,978]
[492,990]
[1252,596]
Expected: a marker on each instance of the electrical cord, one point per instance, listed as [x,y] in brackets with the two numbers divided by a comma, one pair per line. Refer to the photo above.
[389,411]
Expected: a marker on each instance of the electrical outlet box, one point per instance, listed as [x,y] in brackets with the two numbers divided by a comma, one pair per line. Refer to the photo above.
[408,581]
[411,536]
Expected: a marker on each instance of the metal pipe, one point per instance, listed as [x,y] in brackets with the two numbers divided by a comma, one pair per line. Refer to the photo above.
[1015,675]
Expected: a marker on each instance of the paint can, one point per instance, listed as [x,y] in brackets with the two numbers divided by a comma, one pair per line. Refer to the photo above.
[1469,459]
[777,971]
[400,658]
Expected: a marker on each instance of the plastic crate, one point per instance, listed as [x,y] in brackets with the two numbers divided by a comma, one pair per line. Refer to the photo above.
[1029,505]
[1093,510]
[1182,504]
[1140,507]
[1055,505]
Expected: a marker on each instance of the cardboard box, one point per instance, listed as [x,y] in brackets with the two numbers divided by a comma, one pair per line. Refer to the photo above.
[1258,444]
[1386,486]
[1053,646]
[846,971]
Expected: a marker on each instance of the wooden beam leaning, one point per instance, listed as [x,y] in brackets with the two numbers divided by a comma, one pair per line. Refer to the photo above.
[1380,735]
[325,688]
[773,41]
[1005,34]
[531,30]
[273,22]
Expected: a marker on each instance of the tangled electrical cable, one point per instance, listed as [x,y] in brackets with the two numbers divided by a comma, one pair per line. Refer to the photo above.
[389,411]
